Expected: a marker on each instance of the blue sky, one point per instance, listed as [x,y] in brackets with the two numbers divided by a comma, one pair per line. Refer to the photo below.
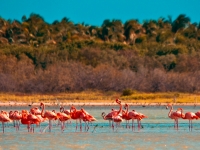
[95,12]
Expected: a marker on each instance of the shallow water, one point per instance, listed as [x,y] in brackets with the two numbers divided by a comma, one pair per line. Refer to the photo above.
[157,133]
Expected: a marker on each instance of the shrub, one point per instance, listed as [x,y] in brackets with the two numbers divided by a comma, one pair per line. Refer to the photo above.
[127,92]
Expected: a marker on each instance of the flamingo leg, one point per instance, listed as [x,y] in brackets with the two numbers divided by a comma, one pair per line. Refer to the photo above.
[28,127]
[33,130]
[14,123]
[113,125]
[64,125]
[80,125]
[88,126]
[177,124]
[189,125]
[133,125]
[16,126]
[174,123]
[109,123]
[76,125]
[138,121]
[50,125]
[3,126]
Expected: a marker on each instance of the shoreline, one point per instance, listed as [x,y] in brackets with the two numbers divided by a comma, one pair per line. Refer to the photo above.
[23,104]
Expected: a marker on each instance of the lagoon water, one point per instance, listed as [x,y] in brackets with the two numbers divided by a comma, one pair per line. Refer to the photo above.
[157,133]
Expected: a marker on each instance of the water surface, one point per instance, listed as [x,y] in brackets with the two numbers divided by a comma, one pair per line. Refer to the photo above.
[157,133]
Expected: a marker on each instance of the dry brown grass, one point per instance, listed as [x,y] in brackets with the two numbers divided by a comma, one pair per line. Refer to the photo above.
[101,97]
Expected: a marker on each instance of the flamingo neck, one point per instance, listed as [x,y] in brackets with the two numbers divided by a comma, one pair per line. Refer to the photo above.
[170,111]
[120,109]
[183,117]
[103,115]
[127,107]
[42,115]
[72,109]
[62,109]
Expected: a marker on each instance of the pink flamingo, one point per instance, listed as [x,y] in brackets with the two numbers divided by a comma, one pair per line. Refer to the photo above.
[49,115]
[29,119]
[132,115]
[190,116]
[117,119]
[62,109]
[33,119]
[139,118]
[17,116]
[35,111]
[62,118]
[12,117]
[77,114]
[87,118]
[125,117]
[198,113]
[4,118]
[174,115]
[67,112]
[107,117]
[112,114]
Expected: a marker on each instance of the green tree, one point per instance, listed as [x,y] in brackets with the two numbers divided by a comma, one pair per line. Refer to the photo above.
[180,23]
[131,30]
[112,30]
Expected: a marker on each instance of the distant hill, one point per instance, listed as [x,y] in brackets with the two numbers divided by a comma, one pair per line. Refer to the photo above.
[156,56]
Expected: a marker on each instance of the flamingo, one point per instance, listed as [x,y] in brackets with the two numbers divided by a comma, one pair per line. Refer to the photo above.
[33,119]
[190,116]
[62,109]
[24,119]
[107,117]
[125,117]
[63,117]
[117,119]
[4,118]
[35,111]
[67,112]
[49,115]
[87,118]
[174,115]
[12,117]
[141,116]
[132,115]
[77,114]
[112,114]
[16,116]
[198,113]
[29,119]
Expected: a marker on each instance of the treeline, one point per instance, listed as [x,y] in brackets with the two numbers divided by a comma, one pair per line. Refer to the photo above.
[156,56]
[22,76]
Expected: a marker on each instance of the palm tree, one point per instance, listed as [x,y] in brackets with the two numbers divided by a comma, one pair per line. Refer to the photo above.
[112,30]
[180,23]
[191,31]
[164,33]
[131,29]
[150,27]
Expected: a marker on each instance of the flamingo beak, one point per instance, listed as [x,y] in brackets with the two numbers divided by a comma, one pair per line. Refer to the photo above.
[166,107]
